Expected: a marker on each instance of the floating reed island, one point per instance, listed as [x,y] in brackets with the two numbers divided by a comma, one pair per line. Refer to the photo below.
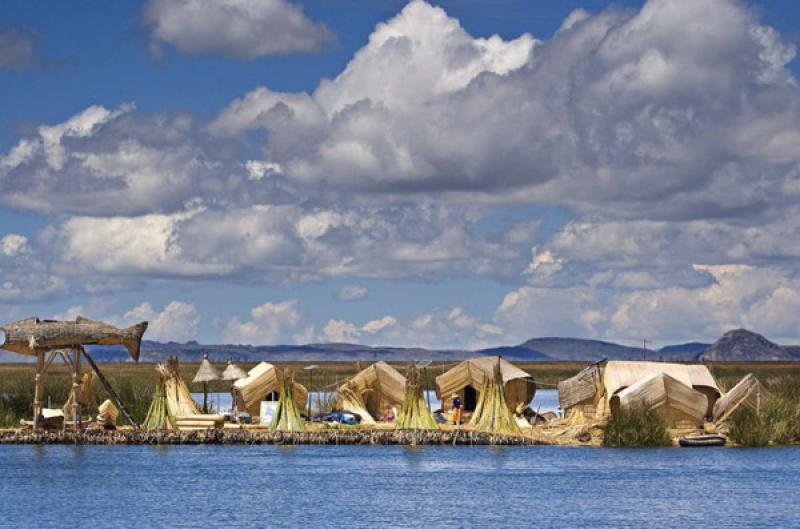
[484,401]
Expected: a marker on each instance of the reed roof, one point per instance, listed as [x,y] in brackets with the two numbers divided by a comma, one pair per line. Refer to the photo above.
[381,379]
[233,372]
[260,381]
[675,400]
[622,374]
[476,372]
[206,372]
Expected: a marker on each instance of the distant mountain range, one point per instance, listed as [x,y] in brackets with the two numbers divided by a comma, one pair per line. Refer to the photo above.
[739,344]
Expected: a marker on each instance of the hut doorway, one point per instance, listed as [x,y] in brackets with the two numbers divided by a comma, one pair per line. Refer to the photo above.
[273,397]
[470,398]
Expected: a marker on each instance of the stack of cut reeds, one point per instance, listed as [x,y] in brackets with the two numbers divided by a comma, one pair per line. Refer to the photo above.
[287,417]
[415,414]
[159,416]
[107,415]
[492,413]
[199,421]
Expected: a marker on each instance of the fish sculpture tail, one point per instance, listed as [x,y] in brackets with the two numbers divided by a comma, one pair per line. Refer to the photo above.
[133,342]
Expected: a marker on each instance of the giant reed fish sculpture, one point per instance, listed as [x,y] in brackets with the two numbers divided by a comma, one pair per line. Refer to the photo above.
[32,335]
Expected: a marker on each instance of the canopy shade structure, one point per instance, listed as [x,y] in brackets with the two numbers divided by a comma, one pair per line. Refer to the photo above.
[587,395]
[206,372]
[373,390]
[260,381]
[467,378]
[677,403]
[233,372]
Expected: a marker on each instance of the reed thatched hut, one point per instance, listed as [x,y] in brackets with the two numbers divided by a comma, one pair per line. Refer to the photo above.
[264,382]
[748,393]
[467,378]
[373,391]
[586,397]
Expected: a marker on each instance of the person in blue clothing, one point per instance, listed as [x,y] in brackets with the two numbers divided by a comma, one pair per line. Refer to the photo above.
[455,411]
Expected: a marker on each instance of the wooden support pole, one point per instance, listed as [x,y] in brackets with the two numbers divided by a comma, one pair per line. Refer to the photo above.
[76,390]
[38,389]
[110,390]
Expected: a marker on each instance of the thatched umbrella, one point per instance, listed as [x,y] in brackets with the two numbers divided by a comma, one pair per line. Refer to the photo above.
[205,374]
[233,373]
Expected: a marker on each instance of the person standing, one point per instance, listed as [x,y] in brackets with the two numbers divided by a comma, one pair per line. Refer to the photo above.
[455,410]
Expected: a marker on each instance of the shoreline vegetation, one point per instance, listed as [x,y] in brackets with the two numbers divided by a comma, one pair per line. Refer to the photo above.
[776,423]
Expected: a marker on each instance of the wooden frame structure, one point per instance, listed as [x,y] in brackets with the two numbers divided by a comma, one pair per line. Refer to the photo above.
[48,339]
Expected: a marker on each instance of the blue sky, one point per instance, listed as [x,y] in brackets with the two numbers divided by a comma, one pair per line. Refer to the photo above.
[617,171]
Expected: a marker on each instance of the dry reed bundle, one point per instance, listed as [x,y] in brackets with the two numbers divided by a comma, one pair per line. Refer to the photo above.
[492,413]
[86,397]
[351,399]
[159,416]
[179,399]
[287,417]
[107,414]
[415,414]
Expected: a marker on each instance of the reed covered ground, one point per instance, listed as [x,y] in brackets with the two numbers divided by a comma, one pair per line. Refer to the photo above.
[136,383]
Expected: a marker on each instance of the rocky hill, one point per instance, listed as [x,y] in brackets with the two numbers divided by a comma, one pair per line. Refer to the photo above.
[744,345]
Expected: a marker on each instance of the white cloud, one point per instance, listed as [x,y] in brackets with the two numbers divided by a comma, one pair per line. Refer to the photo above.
[759,298]
[244,29]
[270,323]
[13,244]
[379,325]
[177,321]
[352,293]
[340,331]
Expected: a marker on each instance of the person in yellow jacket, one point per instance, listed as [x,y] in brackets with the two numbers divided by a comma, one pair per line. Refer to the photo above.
[456,412]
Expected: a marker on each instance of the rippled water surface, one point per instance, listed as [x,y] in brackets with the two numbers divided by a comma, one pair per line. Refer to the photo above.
[353,486]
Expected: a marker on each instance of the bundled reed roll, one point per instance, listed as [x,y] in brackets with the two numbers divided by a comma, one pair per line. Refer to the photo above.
[159,416]
[179,399]
[351,398]
[492,413]
[107,414]
[287,417]
[415,414]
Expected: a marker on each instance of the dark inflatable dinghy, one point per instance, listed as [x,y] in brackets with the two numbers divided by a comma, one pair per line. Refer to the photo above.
[702,440]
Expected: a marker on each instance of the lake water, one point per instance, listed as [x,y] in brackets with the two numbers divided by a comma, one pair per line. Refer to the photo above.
[544,400]
[135,487]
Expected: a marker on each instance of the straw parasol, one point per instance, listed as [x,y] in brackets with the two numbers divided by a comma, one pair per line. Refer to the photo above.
[205,374]
[233,373]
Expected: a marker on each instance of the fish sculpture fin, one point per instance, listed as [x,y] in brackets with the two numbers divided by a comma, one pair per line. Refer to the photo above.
[134,342]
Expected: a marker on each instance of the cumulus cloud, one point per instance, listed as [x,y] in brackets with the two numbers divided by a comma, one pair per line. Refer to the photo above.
[451,328]
[17,47]
[759,298]
[243,29]
[663,142]
[352,293]
[295,243]
[177,321]
[270,323]
[343,331]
